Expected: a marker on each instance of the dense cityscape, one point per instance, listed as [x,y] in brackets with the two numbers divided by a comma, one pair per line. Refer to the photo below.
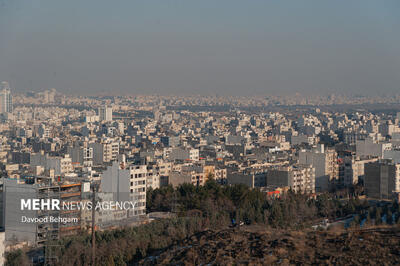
[199,133]
[191,164]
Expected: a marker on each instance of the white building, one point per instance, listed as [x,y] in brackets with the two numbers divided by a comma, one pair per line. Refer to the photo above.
[138,177]
[194,154]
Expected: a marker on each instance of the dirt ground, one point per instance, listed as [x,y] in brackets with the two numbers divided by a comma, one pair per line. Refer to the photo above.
[257,246]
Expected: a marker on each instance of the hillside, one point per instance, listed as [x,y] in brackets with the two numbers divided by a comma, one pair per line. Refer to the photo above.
[255,246]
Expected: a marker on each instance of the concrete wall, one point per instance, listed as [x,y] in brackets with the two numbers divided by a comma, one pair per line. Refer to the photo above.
[15,229]
[279,178]
[239,178]
[117,181]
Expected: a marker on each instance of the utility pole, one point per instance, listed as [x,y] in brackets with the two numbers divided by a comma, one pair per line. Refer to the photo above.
[93,224]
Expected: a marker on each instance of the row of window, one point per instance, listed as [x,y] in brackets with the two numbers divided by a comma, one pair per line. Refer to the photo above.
[140,197]
[143,182]
[138,175]
[140,212]
[142,189]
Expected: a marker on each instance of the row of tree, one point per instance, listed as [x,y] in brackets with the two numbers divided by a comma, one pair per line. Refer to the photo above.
[219,204]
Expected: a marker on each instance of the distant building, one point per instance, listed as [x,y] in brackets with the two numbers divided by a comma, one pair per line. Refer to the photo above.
[299,139]
[6,103]
[368,147]
[174,154]
[105,113]
[173,141]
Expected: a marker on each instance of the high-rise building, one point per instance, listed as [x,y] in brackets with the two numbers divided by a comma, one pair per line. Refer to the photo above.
[6,105]
[105,113]
[49,95]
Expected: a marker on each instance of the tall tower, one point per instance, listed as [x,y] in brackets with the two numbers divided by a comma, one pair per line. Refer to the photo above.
[105,113]
[6,105]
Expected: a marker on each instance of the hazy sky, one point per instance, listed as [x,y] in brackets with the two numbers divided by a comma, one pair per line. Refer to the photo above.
[201,47]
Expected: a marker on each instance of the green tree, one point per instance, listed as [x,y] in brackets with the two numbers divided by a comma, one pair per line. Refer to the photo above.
[17,258]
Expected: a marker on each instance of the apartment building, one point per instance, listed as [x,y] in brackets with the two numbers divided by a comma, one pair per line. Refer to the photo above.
[300,178]
[106,151]
[351,169]
[126,183]
[325,163]
[138,178]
